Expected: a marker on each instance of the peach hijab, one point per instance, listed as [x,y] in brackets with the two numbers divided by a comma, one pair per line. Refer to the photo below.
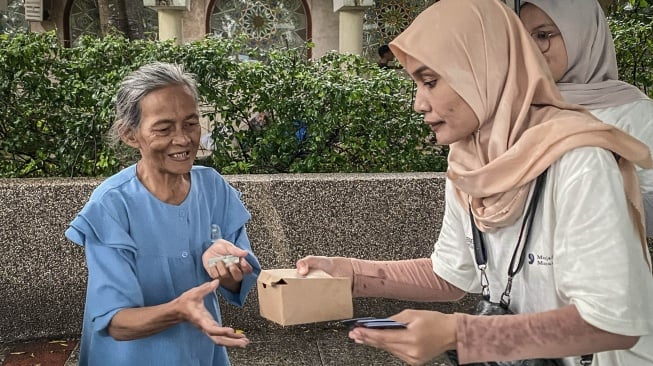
[480,48]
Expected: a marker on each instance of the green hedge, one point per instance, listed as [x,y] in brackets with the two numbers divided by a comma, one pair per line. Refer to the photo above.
[632,29]
[56,105]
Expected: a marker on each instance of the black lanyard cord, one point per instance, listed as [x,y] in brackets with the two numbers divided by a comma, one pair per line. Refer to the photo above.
[480,251]
[528,224]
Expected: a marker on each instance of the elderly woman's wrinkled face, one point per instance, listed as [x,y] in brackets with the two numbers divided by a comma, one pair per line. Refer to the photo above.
[445,112]
[169,133]
[548,38]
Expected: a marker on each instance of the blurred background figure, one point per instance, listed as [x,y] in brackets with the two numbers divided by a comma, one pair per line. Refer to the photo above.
[386,58]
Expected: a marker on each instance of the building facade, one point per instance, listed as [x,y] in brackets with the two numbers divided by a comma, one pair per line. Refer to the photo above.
[329,24]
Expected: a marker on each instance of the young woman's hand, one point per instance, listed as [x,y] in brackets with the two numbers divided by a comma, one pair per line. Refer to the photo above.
[428,334]
[335,266]
[229,274]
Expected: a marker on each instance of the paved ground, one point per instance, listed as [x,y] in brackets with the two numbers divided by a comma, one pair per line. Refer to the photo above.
[43,352]
[326,344]
[316,344]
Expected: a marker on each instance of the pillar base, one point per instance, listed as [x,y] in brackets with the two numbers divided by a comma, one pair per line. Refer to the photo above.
[170,25]
[350,38]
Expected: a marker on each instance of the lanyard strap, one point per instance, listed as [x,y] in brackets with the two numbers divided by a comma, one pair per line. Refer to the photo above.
[480,252]
[518,257]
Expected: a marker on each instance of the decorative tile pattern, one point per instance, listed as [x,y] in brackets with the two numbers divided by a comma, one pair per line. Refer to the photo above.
[13,20]
[386,19]
[274,23]
[85,20]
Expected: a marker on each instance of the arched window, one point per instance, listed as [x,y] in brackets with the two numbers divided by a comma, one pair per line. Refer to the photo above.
[267,23]
[386,19]
[12,20]
[83,18]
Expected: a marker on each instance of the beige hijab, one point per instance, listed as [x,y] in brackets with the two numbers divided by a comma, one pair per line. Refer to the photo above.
[591,77]
[480,48]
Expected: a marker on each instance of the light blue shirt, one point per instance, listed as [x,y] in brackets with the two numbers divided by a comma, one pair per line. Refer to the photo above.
[141,251]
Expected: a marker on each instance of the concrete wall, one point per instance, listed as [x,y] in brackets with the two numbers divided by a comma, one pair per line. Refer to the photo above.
[375,216]
[372,216]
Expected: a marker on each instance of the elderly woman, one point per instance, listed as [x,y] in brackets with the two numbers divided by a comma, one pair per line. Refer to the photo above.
[543,215]
[151,233]
[575,39]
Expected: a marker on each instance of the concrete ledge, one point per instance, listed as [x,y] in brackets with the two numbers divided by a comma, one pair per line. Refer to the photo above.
[375,216]
[372,216]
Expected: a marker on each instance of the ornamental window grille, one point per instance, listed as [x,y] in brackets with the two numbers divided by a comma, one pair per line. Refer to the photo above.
[12,19]
[84,19]
[386,19]
[266,23]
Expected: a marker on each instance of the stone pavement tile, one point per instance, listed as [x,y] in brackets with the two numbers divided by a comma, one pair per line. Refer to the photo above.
[313,345]
[4,350]
[322,344]
[346,352]
[287,346]
[73,360]
[39,352]
[289,352]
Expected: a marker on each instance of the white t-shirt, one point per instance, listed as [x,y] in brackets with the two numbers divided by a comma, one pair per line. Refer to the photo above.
[583,250]
[636,118]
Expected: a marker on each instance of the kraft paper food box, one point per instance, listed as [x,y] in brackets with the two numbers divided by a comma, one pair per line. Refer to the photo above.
[287,298]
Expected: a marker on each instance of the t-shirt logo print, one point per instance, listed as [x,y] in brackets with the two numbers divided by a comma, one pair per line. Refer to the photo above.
[540,259]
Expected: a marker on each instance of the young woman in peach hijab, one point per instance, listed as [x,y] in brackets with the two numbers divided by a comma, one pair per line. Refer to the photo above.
[586,285]
[575,39]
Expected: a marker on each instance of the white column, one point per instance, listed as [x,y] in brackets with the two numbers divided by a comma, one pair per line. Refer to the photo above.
[350,39]
[350,36]
[170,25]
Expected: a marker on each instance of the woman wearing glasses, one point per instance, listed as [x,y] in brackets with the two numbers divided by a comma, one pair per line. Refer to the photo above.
[575,40]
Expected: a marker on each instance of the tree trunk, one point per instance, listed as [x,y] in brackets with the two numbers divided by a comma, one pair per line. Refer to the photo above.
[606,5]
[105,15]
[124,16]
[134,10]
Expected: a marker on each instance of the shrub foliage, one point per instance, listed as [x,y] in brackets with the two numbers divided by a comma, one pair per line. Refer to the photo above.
[339,113]
[631,25]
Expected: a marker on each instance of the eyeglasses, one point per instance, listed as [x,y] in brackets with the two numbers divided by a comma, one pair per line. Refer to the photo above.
[543,39]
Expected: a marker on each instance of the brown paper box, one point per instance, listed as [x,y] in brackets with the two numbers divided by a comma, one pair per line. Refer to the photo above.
[288,298]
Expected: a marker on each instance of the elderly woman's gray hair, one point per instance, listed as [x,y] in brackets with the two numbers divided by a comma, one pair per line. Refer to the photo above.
[137,85]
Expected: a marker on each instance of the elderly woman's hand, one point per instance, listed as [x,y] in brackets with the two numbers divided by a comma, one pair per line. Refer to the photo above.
[190,306]
[230,274]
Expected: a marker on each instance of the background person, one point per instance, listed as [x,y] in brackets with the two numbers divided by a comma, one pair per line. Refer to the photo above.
[258,121]
[146,232]
[575,39]
[386,57]
[506,124]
